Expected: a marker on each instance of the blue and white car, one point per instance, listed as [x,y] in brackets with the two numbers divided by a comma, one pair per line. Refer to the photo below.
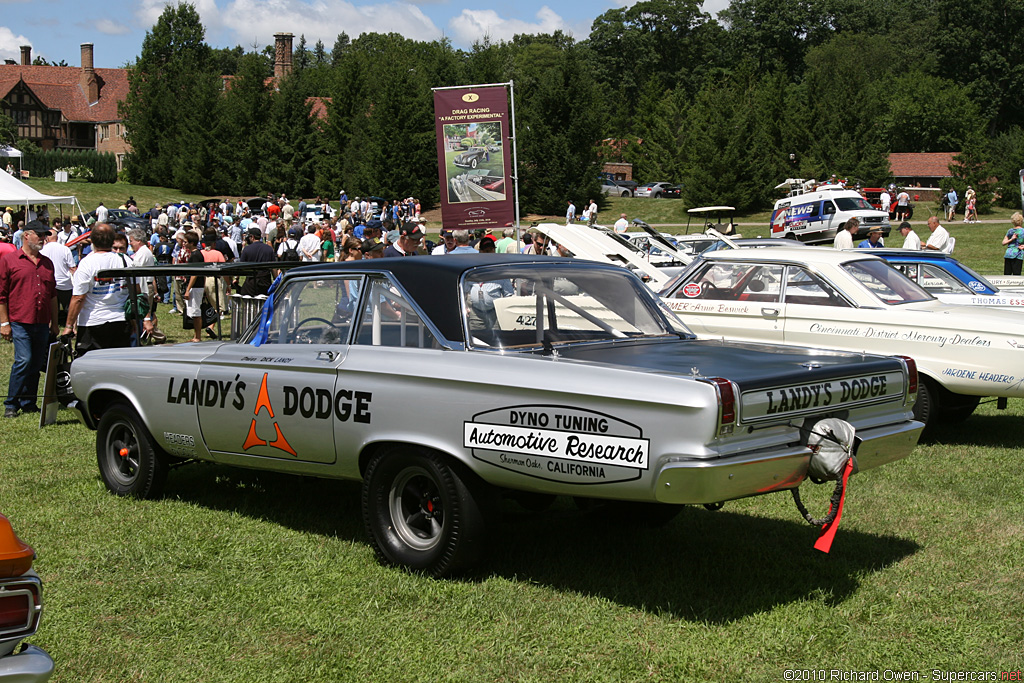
[950,281]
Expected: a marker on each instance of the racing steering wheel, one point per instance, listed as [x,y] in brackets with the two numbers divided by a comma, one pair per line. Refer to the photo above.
[309,339]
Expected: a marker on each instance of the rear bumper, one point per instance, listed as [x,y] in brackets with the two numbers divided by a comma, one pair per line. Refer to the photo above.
[31,665]
[712,481]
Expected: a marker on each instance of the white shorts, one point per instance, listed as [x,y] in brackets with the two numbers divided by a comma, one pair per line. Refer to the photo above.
[194,305]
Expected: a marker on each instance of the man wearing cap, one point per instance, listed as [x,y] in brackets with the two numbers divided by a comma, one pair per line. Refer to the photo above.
[910,238]
[409,236]
[447,244]
[874,240]
[28,313]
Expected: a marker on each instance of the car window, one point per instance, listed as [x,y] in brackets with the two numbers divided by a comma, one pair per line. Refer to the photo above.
[734,282]
[389,319]
[517,308]
[937,281]
[886,283]
[804,287]
[852,203]
[314,311]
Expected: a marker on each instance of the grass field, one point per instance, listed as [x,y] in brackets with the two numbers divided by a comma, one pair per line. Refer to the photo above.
[246,576]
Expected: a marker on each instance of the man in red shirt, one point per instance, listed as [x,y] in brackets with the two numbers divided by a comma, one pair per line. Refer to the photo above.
[28,312]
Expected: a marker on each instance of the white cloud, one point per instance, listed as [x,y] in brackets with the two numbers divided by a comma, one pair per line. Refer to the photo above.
[474,24]
[10,44]
[148,12]
[111,28]
[258,20]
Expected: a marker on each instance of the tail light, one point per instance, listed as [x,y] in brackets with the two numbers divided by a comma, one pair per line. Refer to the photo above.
[911,375]
[20,596]
[20,607]
[726,404]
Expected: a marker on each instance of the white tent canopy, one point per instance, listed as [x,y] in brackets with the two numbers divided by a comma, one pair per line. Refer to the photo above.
[13,191]
[8,151]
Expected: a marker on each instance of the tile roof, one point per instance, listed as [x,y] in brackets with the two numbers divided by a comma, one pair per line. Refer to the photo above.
[57,87]
[921,165]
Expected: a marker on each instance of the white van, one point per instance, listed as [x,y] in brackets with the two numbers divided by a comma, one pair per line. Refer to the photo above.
[817,216]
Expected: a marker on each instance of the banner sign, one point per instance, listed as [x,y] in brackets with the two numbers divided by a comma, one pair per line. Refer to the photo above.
[474,157]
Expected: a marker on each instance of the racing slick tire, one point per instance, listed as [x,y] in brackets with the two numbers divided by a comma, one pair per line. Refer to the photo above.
[421,513]
[130,462]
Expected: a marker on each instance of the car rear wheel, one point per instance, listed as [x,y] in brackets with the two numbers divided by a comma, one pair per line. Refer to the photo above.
[420,513]
[130,463]
[956,407]
[624,194]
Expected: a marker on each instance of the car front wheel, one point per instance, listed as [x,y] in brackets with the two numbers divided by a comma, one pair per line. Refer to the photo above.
[926,409]
[472,163]
[421,514]
[130,463]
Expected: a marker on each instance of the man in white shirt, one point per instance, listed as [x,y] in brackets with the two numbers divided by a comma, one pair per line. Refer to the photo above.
[939,239]
[97,305]
[622,224]
[885,199]
[101,213]
[143,256]
[309,245]
[63,268]
[570,213]
[844,238]
[910,238]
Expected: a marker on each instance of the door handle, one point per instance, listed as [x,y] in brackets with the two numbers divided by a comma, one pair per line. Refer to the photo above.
[325,355]
[770,312]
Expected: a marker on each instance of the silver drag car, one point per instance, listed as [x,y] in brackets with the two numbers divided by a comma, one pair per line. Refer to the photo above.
[444,382]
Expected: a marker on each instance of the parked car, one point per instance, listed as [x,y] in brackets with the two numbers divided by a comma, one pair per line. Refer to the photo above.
[856,302]
[123,220]
[471,158]
[441,383]
[21,606]
[652,189]
[615,188]
[672,192]
[950,281]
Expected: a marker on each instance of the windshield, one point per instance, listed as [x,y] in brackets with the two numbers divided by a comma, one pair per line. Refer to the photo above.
[512,307]
[852,204]
[886,283]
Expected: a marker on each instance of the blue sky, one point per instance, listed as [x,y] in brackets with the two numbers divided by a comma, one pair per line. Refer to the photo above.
[56,28]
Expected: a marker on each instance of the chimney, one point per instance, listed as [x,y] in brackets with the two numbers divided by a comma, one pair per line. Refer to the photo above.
[88,80]
[26,55]
[282,55]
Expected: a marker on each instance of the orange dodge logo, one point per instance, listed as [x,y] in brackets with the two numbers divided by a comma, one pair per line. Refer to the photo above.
[253,439]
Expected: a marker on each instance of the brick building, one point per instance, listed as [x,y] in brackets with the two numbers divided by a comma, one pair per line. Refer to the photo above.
[66,107]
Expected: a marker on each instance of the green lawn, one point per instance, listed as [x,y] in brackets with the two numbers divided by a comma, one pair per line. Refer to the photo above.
[247,576]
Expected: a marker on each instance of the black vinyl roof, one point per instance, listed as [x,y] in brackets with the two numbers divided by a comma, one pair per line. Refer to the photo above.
[432,281]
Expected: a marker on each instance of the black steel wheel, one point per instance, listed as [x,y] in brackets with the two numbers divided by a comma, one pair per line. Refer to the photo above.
[130,463]
[421,513]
